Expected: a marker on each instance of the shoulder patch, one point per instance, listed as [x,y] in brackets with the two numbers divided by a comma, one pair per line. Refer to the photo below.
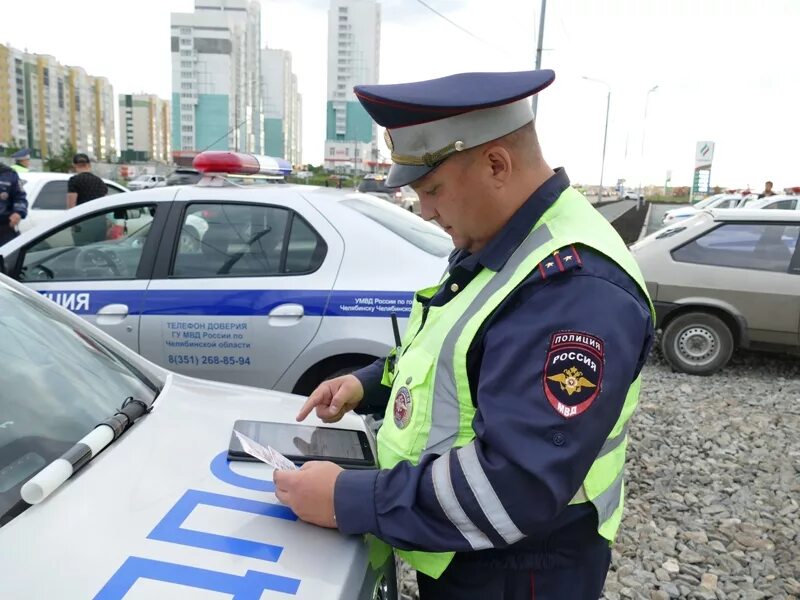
[573,372]
[562,260]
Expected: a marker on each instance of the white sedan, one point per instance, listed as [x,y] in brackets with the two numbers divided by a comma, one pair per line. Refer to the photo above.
[47,196]
[276,286]
[716,201]
[159,512]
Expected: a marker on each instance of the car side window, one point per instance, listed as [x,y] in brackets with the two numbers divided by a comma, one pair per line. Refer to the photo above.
[788,204]
[305,250]
[758,246]
[52,196]
[243,240]
[100,246]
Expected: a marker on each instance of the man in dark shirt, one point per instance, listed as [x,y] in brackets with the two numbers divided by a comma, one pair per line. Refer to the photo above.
[767,190]
[83,187]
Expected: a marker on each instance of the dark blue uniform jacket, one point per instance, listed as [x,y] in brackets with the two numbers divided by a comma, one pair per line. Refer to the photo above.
[533,456]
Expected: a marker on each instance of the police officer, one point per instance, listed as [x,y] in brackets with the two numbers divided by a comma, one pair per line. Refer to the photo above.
[13,203]
[503,444]
[22,161]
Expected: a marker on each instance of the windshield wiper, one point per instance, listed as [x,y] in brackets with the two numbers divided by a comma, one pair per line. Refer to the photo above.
[49,479]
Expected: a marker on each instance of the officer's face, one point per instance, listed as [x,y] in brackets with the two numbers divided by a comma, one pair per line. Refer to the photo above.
[455,196]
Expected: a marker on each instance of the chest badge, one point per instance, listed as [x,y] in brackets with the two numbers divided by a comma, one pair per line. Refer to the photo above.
[402,407]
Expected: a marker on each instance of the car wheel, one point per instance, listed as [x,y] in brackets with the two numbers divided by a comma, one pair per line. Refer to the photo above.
[698,343]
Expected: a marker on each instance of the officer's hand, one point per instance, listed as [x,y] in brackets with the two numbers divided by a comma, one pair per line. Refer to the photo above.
[333,398]
[309,491]
[14,219]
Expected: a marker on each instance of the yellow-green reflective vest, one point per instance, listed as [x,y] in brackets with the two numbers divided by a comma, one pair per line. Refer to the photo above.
[431,406]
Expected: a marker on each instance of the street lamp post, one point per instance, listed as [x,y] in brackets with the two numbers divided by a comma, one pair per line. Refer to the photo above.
[641,157]
[605,136]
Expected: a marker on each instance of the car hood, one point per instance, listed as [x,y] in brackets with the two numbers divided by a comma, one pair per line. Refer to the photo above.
[162,504]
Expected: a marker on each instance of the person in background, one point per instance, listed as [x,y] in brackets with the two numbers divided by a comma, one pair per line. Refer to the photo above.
[767,190]
[13,203]
[84,187]
[22,161]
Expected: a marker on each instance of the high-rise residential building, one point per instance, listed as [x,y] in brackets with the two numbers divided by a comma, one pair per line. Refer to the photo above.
[354,38]
[216,77]
[45,105]
[13,115]
[282,106]
[144,128]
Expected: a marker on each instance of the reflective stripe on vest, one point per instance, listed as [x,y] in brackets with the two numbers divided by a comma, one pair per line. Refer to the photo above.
[435,412]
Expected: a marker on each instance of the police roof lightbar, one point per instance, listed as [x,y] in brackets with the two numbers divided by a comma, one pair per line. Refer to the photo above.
[238,163]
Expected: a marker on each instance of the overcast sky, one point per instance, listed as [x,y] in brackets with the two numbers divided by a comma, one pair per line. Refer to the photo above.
[727,71]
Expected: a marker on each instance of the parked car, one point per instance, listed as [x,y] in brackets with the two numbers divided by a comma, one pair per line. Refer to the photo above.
[723,279]
[715,201]
[145,182]
[160,512]
[631,195]
[47,196]
[276,286]
[404,197]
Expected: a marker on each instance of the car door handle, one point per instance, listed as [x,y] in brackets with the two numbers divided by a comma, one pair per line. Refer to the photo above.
[112,314]
[286,314]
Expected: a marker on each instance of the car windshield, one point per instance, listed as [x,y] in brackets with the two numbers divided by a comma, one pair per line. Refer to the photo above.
[59,382]
[408,226]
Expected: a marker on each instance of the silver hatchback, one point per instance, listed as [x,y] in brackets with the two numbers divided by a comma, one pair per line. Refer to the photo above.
[721,280]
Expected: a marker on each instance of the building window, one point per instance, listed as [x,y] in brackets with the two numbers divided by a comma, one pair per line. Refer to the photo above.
[186,64]
[187,74]
[187,118]
[60,94]
[185,95]
[46,76]
[187,128]
[185,30]
[186,85]
[186,107]
[186,42]
[186,53]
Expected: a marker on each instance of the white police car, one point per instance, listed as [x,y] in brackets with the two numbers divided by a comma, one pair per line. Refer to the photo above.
[275,285]
[160,512]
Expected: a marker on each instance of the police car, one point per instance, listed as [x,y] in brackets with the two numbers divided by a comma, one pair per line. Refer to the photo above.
[275,286]
[158,512]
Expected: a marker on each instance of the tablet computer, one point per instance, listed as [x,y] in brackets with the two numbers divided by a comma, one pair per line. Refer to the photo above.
[348,448]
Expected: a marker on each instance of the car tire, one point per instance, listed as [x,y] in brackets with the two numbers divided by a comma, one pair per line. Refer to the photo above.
[698,343]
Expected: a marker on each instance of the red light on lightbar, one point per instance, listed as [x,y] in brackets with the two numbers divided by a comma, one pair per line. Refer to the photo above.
[216,161]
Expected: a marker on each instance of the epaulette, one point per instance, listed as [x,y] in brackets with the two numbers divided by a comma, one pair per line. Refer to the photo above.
[562,260]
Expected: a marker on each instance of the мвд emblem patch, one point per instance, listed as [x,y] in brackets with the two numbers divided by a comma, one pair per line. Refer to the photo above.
[573,372]
[402,407]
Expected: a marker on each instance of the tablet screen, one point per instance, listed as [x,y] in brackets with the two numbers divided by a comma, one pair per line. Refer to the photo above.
[299,442]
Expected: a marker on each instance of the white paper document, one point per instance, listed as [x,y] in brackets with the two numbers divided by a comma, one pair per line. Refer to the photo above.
[268,455]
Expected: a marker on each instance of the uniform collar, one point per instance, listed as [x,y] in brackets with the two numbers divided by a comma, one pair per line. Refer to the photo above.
[496,253]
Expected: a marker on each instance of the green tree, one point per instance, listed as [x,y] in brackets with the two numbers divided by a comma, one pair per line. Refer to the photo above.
[61,162]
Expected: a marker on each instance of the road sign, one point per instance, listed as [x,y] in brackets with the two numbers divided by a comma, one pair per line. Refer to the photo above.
[703,155]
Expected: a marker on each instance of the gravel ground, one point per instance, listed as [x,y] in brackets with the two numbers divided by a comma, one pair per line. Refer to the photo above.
[713,496]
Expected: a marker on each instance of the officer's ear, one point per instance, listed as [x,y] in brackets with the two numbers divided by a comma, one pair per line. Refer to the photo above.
[499,160]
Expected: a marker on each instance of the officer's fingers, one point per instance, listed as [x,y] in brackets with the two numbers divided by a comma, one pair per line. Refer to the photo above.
[318,397]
